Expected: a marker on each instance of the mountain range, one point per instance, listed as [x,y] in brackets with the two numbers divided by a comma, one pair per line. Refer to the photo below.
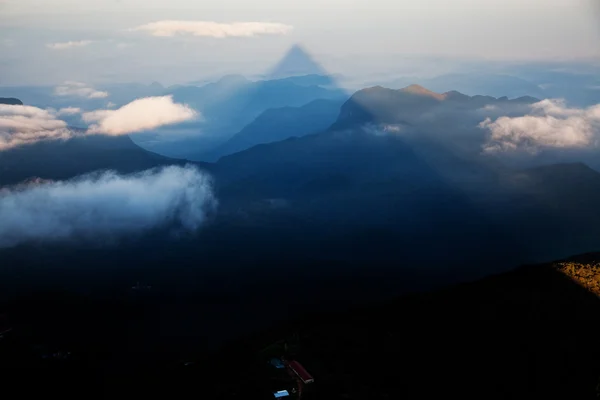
[64,159]
[277,124]
[381,105]
[230,104]
[378,198]
[381,169]
[476,83]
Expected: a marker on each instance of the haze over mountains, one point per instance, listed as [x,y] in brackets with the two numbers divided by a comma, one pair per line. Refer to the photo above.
[233,102]
[296,62]
[398,189]
[58,160]
[207,198]
[362,164]
[281,123]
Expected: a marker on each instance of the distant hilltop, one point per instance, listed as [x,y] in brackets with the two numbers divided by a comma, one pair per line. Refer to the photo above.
[11,101]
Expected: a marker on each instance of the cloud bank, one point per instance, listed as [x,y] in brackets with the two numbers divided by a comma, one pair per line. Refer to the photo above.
[26,124]
[68,45]
[104,206]
[550,124]
[139,115]
[78,89]
[20,125]
[169,28]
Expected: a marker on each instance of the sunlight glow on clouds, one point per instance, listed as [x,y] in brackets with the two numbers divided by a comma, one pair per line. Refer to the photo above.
[26,124]
[551,124]
[171,28]
[139,115]
[21,125]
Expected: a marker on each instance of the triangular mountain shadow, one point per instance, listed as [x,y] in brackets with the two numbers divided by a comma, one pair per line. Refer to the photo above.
[296,62]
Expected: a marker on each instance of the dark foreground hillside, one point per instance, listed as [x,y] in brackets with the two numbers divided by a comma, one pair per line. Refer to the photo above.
[531,333]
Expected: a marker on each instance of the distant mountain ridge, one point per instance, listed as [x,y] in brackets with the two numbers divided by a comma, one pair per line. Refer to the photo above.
[382,105]
[233,102]
[10,101]
[347,197]
[64,159]
[475,83]
[281,123]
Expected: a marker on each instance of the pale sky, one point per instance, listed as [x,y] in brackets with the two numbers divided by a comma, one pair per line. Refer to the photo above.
[172,41]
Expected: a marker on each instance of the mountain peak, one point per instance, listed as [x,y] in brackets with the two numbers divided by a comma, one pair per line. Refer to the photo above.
[455,95]
[421,91]
[297,61]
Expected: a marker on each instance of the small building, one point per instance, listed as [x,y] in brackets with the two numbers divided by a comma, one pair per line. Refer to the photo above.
[281,394]
[301,372]
[277,363]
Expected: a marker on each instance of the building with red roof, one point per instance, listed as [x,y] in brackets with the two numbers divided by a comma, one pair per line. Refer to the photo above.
[301,372]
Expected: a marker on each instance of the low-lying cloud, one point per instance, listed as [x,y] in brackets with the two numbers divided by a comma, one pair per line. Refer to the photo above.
[105,205]
[169,28]
[387,129]
[69,111]
[26,124]
[550,124]
[79,89]
[139,115]
[68,45]
[21,125]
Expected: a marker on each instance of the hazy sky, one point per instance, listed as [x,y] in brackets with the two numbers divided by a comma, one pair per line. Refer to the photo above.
[50,41]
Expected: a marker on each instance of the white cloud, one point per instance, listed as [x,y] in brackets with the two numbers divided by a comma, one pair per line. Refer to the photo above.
[100,206]
[551,124]
[68,45]
[78,89]
[21,125]
[139,115]
[170,28]
[555,107]
[26,124]
[69,111]
[110,104]
[124,45]
[386,129]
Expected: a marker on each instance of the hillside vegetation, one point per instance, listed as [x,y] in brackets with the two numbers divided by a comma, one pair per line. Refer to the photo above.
[585,274]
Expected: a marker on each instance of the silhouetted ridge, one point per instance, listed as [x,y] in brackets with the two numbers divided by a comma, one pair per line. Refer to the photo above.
[64,159]
[11,101]
[382,105]
[281,123]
